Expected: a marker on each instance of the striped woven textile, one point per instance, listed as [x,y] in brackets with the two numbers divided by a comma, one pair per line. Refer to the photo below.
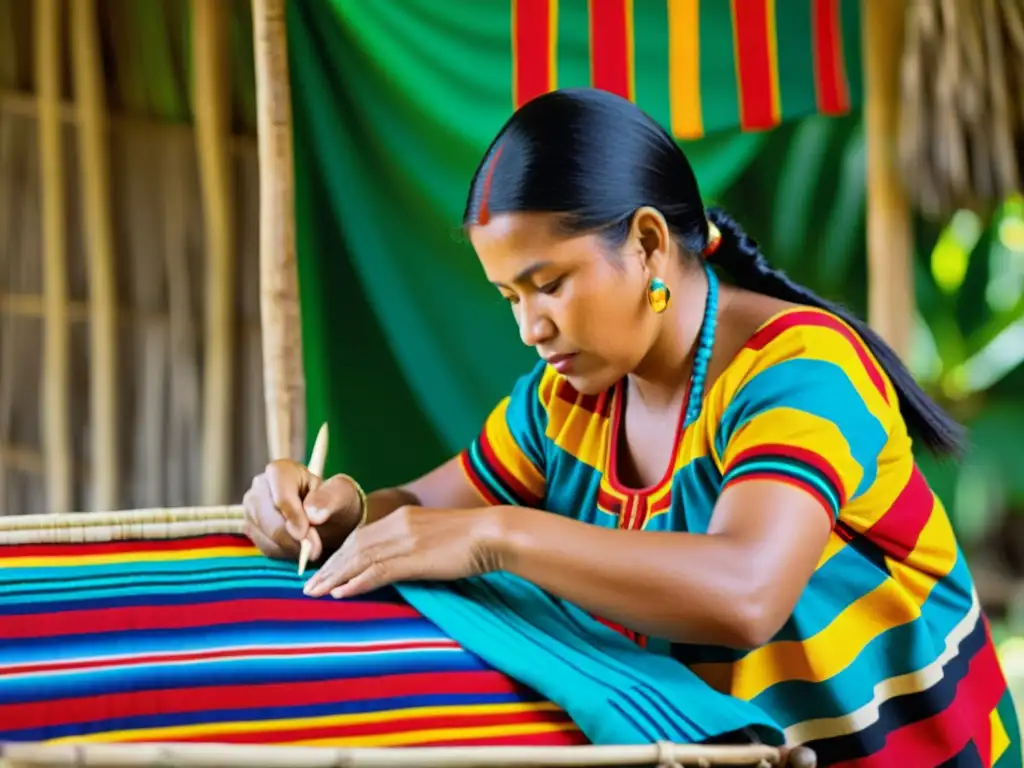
[203,639]
[696,66]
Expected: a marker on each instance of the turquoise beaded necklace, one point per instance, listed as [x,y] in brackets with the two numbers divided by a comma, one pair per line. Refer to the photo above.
[705,345]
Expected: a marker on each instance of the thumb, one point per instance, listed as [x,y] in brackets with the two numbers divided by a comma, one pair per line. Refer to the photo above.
[334,497]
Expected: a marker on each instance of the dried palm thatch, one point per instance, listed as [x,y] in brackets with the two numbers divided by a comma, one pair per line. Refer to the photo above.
[962,127]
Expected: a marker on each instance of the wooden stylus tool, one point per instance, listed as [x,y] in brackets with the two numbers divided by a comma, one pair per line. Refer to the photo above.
[317,459]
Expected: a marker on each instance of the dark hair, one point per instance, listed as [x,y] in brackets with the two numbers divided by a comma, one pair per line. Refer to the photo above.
[596,158]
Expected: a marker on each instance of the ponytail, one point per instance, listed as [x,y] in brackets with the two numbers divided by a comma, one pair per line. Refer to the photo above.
[739,255]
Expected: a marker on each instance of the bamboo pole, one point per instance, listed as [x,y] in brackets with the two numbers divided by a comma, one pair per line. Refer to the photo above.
[95,171]
[56,389]
[213,133]
[9,242]
[891,296]
[36,755]
[283,377]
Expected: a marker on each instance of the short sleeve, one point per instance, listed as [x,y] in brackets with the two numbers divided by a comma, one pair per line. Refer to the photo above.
[506,462]
[813,412]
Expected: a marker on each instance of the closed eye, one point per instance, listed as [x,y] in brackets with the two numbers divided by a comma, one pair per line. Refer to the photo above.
[552,287]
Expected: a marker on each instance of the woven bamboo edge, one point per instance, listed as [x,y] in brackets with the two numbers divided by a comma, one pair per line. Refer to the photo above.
[135,524]
[123,525]
[36,755]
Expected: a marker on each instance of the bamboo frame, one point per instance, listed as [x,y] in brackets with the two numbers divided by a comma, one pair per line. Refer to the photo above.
[154,524]
[283,376]
[891,297]
[666,755]
[93,156]
[56,385]
[122,525]
[213,130]
[150,524]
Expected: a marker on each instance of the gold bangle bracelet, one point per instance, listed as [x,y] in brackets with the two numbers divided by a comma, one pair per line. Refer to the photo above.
[364,508]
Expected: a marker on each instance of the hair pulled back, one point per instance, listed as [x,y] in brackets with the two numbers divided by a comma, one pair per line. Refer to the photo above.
[595,158]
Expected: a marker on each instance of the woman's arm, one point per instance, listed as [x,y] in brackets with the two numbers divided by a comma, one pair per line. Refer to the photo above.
[734,586]
[445,487]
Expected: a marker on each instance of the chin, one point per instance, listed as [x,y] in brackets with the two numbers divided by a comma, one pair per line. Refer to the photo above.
[592,383]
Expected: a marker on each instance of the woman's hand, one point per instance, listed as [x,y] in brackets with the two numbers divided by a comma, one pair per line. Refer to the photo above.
[412,544]
[287,503]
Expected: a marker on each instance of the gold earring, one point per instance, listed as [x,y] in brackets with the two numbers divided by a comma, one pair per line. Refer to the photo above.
[658,295]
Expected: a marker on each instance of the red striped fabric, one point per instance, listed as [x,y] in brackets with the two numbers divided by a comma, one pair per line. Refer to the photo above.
[756,63]
[611,46]
[831,86]
[534,25]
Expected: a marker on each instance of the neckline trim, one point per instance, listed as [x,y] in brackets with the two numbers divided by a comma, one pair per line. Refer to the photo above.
[693,397]
[611,474]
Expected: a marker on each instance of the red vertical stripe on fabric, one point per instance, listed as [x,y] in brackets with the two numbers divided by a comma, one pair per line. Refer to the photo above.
[754,65]
[611,46]
[533,41]
[831,86]
[898,530]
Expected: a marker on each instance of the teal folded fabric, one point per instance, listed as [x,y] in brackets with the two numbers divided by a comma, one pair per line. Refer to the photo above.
[615,691]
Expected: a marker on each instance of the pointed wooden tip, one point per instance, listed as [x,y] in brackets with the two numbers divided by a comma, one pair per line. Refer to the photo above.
[318,457]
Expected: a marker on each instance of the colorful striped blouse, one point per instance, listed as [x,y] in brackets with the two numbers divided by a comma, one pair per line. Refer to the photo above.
[887,658]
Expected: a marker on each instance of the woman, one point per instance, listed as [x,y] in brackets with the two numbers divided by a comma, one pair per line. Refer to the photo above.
[723,472]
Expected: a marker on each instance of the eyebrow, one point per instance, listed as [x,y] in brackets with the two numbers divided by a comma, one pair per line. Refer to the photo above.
[527,273]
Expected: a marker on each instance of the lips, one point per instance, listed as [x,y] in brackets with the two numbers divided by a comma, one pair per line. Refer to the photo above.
[561,363]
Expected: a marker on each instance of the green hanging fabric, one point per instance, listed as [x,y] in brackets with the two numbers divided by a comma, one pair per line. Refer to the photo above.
[406,345]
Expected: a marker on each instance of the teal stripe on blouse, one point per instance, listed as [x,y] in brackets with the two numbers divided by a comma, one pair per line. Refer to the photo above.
[818,388]
[798,470]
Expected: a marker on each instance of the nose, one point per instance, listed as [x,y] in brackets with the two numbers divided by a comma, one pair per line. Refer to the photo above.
[534,326]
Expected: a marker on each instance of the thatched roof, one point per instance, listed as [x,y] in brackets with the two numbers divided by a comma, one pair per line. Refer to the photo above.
[962,129]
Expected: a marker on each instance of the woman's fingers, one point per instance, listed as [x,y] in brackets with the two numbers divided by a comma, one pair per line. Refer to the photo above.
[288,481]
[374,577]
[263,542]
[352,576]
[268,519]
[335,571]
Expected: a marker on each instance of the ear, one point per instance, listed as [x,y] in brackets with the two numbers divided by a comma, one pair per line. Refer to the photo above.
[649,239]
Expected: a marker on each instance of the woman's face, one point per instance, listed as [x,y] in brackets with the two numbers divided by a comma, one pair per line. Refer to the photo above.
[580,304]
